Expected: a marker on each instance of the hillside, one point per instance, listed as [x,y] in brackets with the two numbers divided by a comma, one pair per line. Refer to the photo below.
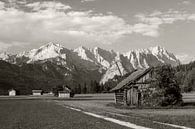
[43,76]
[53,64]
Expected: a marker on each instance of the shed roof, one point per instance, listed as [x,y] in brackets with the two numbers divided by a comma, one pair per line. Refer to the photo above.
[132,78]
[36,91]
[11,90]
[66,90]
[63,91]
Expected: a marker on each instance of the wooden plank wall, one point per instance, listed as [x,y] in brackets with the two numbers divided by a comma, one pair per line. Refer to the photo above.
[119,97]
[188,97]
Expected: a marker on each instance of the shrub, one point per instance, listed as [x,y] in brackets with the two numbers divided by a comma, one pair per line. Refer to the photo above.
[165,90]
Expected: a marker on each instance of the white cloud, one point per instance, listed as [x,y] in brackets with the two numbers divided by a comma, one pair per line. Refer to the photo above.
[2,5]
[185,58]
[37,6]
[87,1]
[4,45]
[149,24]
[47,21]
[146,29]
[186,2]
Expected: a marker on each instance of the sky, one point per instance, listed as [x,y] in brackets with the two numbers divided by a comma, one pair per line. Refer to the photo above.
[120,25]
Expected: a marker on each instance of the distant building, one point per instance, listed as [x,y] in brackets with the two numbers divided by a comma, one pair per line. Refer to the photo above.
[12,92]
[66,93]
[129,91]
[37,92]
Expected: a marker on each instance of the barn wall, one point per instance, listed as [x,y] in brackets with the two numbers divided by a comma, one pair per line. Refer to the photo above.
[12,93]
[119,97]
[136,96]
[64,95]
[36,93]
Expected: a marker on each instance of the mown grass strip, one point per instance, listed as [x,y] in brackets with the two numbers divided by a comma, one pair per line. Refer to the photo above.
[123,123]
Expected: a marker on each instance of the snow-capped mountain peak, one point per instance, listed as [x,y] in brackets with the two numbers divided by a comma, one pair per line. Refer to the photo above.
[51,44]
[103,61]
[4,56]
[157,50]
[84,53]
[50,50]
[140,58]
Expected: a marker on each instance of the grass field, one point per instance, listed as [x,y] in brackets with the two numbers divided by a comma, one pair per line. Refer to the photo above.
[98,103]
[44,114]
[28,112]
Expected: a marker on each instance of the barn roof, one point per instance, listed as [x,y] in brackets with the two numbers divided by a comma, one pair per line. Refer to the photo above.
[66,90]
[36,91]
[132,78]
[11,90]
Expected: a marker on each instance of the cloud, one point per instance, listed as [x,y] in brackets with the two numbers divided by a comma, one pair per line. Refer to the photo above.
[4,45]
[87,1]
[185,58]
[47,20]
[149,24]
[146,29]
[38,6]
[2,5]
[186,2]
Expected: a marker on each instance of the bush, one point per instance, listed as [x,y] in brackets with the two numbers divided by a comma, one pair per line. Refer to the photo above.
[165,90]
[189,82]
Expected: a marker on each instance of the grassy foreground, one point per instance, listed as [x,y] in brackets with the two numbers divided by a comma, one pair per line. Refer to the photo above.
[103,104]
[41,114]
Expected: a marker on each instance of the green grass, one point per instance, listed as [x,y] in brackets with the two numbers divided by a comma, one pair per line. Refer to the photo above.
[45,114]
[183,116]
[97,104]
[28,112]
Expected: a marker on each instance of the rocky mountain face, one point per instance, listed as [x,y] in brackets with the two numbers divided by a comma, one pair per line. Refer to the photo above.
[92,63]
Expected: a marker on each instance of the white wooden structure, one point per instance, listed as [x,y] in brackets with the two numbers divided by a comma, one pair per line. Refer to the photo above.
[12,92]
[65,93]
[36,92]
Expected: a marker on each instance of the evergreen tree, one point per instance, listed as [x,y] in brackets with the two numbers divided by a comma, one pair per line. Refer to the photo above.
[84,90]
[78,89]
[167,90]
[189,82]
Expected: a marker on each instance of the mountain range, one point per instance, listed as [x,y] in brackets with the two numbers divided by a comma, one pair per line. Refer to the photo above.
[90,63]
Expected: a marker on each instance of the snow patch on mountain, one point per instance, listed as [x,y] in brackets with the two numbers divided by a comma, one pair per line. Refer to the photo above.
[96,59]
[139,59]
[48,51]
[4,56]
[84,53]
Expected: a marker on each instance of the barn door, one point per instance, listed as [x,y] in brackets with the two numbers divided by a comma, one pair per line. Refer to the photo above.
[132,96]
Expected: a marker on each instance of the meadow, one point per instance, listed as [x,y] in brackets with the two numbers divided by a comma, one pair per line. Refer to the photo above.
[46,112]
[103,104]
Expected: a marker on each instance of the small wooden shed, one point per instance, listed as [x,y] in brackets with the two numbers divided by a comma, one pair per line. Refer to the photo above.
[128,91]
[66,93]
[12,92]
[37,92]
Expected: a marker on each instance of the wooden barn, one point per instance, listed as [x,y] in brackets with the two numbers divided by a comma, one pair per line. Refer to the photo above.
[12,92]
[129,91]
[66,93]
[37,92]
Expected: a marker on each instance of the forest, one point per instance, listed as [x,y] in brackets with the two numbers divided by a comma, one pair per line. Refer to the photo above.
[27,77]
